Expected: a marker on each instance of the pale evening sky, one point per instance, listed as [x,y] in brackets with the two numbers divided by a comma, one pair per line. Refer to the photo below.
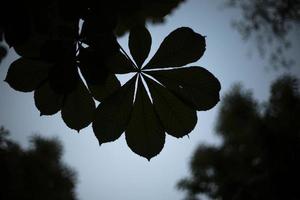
[113,171]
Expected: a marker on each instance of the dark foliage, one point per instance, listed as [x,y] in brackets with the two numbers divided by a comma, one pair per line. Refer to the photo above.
[35,173]
[55,51]
[269,22]
[259,157]
[3,52]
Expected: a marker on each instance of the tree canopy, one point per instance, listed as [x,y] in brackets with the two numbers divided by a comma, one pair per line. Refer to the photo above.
[270,23]
[259,157]
[34,173]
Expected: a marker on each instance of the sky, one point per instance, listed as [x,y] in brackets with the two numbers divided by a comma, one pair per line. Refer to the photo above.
[113,171]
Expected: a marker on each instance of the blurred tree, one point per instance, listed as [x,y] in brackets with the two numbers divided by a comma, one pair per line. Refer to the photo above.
[259,157]
[35,173]
[269,22]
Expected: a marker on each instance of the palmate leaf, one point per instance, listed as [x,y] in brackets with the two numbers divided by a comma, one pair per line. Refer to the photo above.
[176,93]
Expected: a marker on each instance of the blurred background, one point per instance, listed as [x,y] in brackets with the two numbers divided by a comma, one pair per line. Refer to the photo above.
[252,53]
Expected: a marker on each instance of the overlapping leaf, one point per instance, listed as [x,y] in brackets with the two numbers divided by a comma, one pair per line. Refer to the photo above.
[102,91]
[112,115]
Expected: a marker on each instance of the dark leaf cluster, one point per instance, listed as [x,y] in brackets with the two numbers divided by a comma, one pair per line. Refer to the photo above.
[70,57]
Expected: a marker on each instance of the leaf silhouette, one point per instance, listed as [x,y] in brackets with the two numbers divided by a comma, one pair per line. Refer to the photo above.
[144,135]
[181,47]
[177,118]
[119,64]
[92,66]
[139,44]
[101,91]
[113,114]
[196,86]
[26,75]
[31,48]
[46,100]
[63,77]
[78,109]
